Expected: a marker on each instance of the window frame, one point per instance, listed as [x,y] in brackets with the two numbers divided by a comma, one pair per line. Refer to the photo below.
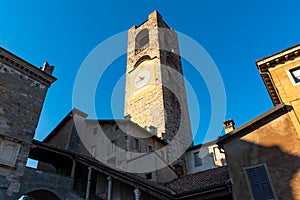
[290,75]
[249,183]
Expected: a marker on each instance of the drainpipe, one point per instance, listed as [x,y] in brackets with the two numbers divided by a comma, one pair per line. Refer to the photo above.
[109,190]
[268,74]
[87,194]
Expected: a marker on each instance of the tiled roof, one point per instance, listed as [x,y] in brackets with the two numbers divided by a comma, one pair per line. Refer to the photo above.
[200,181]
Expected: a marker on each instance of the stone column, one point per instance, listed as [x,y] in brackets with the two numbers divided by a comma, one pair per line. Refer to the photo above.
[87,194]
[109,190]
[73,169]
[137,193]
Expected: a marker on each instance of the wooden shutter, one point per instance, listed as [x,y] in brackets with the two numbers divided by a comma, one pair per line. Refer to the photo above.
[259,183]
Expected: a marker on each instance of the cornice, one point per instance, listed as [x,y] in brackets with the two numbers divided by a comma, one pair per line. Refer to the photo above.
[280,57]
[26,68]
[271,61]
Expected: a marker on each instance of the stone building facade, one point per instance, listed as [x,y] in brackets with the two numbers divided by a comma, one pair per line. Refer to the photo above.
[23,88]
[263,155]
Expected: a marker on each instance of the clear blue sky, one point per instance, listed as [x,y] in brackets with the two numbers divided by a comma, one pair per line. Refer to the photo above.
[234,33]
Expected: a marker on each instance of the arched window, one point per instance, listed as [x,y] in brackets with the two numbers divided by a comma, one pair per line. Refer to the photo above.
[142,39]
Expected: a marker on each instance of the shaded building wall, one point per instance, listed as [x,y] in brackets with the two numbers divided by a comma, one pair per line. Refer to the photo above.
[275,145]
[23,88]
[64,135]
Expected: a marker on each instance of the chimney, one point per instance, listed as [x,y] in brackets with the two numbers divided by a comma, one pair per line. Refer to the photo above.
[229,125]
[127,117]
[153,130]
[47,68]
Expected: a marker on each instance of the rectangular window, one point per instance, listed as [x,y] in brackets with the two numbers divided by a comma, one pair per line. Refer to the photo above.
[148,176]
[259,182]
[150,148]
[136,144]
[197,159]
[294,75]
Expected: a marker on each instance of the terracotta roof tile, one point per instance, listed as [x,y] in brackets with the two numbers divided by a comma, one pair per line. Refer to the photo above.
[200,181]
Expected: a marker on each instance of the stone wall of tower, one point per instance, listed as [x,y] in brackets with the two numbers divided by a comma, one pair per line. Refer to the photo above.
[145,110]
[164,105]
[22,89]
[148,108]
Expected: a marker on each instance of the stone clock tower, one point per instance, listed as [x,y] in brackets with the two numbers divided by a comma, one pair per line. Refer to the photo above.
[155,93]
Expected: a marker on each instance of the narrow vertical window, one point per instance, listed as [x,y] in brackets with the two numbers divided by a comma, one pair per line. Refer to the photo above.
[136,144]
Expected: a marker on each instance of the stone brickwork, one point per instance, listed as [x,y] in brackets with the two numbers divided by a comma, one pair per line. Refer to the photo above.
[59,185]
[22,88]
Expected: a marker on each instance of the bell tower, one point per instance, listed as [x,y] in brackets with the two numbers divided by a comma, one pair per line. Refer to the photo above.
[155,94]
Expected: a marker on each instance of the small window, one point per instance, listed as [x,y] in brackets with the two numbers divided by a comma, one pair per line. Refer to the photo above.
[148,176]
[294,75]
[136,144]
[150,148]
[259,182]
[197,159]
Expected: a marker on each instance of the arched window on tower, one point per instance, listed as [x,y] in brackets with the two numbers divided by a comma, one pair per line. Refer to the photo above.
[142,39]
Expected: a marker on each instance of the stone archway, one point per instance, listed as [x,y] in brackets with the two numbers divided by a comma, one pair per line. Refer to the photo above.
[42,195]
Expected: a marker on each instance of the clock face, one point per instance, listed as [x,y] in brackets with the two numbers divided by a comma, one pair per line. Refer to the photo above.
[142,78]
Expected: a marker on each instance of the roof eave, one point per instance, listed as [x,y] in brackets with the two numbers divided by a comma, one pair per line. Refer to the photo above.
[255,123]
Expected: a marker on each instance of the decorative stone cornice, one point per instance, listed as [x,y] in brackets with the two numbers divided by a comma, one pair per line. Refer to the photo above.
[279,58]
[26,68]
[273,60]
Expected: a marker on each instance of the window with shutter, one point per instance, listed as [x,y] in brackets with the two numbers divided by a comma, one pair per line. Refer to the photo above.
[197,159]
[259,183]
